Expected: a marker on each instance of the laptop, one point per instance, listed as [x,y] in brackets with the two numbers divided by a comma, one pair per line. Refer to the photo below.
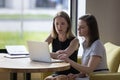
[39,51]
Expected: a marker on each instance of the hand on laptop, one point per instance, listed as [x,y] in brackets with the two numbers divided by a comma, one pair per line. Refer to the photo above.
[55,54]
[63,57]
[61,52]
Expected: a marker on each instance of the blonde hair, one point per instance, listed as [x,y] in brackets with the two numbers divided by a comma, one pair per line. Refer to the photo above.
[69,32]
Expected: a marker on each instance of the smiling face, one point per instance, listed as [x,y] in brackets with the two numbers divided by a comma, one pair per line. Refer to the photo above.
[61,25]
[83,28]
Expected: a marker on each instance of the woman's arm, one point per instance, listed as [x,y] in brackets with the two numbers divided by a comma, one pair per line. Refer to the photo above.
[55,54]
[52,54]
[49,39]
[74,45]
[92,64]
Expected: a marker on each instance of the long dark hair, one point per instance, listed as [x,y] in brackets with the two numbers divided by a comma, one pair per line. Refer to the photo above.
[92,26]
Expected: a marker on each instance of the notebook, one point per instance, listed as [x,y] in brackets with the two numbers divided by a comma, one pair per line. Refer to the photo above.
[39,51]
[16,50]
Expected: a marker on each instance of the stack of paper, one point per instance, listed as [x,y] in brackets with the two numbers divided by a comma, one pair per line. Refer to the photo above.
[16,56]
[16,51]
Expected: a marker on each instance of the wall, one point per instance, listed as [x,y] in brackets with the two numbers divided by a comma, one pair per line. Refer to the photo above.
[107,13]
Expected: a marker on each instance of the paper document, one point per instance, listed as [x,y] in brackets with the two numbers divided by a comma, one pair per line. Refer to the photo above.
[16,56]
[16,50]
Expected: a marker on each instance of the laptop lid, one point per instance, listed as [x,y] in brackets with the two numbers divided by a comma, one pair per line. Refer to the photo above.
[39,51]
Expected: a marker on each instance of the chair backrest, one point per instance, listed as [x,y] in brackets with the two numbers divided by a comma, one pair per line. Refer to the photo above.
[113,56]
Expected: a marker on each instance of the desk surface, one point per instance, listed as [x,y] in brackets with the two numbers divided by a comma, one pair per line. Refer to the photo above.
[26,65]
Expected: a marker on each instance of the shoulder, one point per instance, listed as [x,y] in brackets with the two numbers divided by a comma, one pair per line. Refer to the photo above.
[98,47]
[49,39]
[97,43]
[75,39]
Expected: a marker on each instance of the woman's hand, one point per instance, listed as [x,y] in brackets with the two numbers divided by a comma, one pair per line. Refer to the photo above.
[61,52]
[72,76]
[63,57]
[57,53]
